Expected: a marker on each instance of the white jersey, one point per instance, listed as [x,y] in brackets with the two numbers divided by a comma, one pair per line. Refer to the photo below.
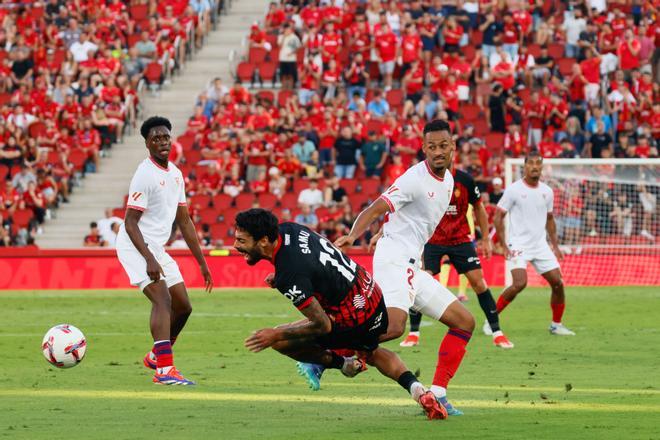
[418,200]
[157,192]
[528,208]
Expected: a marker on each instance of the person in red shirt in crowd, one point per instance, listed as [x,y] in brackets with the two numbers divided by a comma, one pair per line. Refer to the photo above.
[449,95]
[577,85]
[427,31]
[452,33]
[275,18]
[504,73]
[260,185]
[410,49]
[408,146]
[590,68]
[257,38]
[289,165]
[239,94]
[198,122]
[556,114]
[511,37]
[386,48]
[331,42]
[359,37]
[210,181]
[413,81]
[311,15]
[628,52]
[548,147]
[463,70]
[330,80]
[523,19]
[619,23]
[89,140]
[437,76]
[310,76]
[534,112]
[260,120]
[514,141]
[394,170]
[34,199]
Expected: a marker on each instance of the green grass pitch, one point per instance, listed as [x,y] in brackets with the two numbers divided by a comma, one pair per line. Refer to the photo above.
[604,383]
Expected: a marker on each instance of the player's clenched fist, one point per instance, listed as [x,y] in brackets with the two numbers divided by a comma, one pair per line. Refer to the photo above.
[261,339]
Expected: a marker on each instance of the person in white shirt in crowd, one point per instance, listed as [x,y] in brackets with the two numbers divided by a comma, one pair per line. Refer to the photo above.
[312,196]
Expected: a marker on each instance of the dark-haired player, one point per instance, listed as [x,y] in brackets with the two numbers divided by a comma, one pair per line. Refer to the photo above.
[342,304]
[414,206]
[528,202]
[156,200]
[452,237]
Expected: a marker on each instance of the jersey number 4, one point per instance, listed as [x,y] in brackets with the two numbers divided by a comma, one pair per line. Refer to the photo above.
[345,266]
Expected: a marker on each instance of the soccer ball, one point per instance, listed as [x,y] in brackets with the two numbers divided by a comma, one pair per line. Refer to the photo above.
[64,346]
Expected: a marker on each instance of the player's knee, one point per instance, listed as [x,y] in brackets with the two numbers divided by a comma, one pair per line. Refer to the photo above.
[467,322]
[519,285]
[184,309]
[480,286]
[396,329]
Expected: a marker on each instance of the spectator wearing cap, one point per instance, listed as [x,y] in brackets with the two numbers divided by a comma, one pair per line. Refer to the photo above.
[289,44]
[276,182]
[311,196]
[344,154]
[372,155]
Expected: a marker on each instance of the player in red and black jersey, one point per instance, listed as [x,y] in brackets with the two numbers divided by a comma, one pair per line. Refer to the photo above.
[452,238]
[342,304]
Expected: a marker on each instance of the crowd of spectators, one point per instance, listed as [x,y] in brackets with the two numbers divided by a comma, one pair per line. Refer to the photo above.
[70,74]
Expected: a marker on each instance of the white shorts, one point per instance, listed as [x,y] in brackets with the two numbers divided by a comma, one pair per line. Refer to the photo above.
[542,258]
[407,286]
[135,266]
[591,91]
[463,93]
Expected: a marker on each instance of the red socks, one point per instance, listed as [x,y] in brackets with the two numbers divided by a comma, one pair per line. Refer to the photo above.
[450,355]
[502,303]
[557,312]
[163,352]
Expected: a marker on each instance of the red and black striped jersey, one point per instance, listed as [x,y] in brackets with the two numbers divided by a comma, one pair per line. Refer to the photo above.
[308,266]
[454,228]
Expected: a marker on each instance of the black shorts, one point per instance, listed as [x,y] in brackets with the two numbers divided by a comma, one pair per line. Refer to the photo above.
[462,256]
[363,337]
[289,69]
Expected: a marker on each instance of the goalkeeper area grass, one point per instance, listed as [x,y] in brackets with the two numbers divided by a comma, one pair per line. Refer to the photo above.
[601,384]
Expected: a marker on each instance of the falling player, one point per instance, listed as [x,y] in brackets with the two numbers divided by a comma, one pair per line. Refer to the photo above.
[528,203]
[342,304]
[156,200]
[415,204]
[452,237]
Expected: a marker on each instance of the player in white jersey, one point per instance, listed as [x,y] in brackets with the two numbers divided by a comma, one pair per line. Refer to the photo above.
[157,200]
[415,204]
[528,204]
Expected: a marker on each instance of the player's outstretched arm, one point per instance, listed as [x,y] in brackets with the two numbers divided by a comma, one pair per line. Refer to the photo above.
[133,230]
[187,228]
[363,221]
[551,227]
[317,323]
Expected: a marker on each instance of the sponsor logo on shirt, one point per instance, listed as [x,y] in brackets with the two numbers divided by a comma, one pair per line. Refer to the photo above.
[293,293]
[431,194]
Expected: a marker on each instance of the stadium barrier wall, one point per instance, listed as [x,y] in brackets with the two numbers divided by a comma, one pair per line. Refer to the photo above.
[31,268]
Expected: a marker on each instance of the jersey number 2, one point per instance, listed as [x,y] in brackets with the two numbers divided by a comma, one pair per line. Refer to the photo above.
[345,266]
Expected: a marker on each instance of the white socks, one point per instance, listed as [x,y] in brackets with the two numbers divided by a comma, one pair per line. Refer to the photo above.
[438,391]
[417,390]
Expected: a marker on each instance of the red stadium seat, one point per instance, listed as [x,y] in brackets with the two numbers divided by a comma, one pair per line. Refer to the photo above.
[494,141]
[36,129]
[139,12]
[350,185]
[395,97]
[266,95]
[257,55]
[78,158]
[358,200]
[267,200]
[470,112]
[556,50]
[299,185]
[370,186]
[203,200]
[374,125]
[274,55]
[229,215]
[289,200]
[534,50]
[186,141]
[208,216]
[133,39]
[222,202]
[469,52]
[267,72]
[244,201]
[245,72]
[5,98]
[153,73]
[219,230]
[4,170]
[565,66]
[480,126]
[272,39]
[21,217]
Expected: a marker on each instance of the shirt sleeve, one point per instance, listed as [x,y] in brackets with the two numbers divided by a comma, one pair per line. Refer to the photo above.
[138,192]
[400,193]
[296,287]
[474,195]
[507,201]
[182,193]
[549,201]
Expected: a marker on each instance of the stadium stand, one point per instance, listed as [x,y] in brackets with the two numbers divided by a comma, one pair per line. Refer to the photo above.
[72,75]
[576,79]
